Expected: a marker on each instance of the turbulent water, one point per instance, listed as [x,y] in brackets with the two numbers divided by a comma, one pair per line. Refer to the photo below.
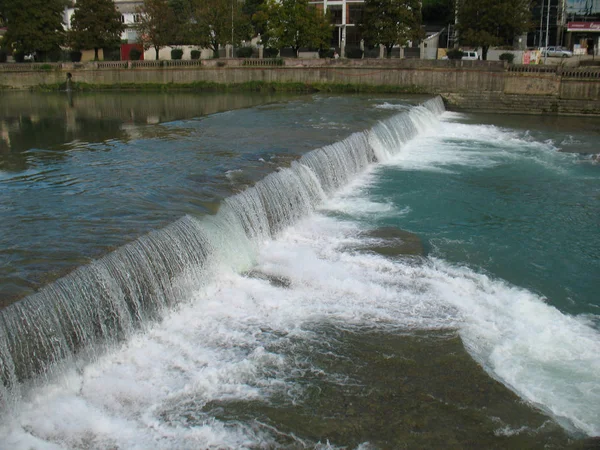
[282,321]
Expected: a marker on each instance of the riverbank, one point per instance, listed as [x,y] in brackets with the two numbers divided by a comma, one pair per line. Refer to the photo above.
[465,85]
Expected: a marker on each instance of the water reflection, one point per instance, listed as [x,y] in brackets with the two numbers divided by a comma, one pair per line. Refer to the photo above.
[59,122]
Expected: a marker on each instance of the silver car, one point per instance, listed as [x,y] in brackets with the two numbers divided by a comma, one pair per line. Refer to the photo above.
[557,52]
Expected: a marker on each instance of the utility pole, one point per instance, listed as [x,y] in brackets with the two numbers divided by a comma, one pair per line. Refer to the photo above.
[541,24]
[547,27]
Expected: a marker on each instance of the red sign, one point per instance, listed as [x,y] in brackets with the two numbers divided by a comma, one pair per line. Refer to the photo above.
[584,26]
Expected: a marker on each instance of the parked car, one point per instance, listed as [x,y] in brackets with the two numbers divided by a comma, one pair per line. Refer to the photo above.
[468,55]
[557,52]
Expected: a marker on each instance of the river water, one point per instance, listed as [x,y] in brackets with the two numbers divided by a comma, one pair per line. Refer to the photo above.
[230,295]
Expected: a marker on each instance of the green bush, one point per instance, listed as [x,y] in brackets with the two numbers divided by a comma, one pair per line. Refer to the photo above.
[454,54]
[195,54]
[176,53]
[19,56]
[244,52]
[3,55]
[75,56]
[326,53]
[135,54]
[270,52]
[354,52]
[510,57]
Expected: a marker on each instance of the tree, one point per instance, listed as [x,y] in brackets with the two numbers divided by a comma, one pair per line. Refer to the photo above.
[295,24]
[218,22]
[157,24]
[438,12]
[250,8]
[95,24]
[485,23]
[183,11]
[391,22]
[34,25]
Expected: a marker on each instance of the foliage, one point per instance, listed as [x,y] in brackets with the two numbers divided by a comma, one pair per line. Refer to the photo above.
[391,22]
[182,13]
[486,23]
[135,54]
[218,22]
[157,24]
[75,56]
[176,53]
[250,8]
[454,54]
[95,24]
[326,53]
[34,25]
[195,54]
[270,52]
[19,56]
[509,57]
[112,53]
[3,55]
[438,12]
[295,24]
[244,52]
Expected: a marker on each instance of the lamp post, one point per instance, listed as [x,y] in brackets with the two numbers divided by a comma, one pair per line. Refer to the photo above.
[541,24]
[547,26]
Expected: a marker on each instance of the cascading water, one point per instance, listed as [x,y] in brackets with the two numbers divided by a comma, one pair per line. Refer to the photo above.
[104,302]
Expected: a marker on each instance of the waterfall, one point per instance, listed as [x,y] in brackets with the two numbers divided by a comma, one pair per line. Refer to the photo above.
[101,303]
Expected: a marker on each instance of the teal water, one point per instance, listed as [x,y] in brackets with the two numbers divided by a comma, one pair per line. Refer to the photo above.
[497,200]
[281,323]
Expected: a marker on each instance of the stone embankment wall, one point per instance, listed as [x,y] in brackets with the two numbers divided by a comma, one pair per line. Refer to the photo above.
[466,85]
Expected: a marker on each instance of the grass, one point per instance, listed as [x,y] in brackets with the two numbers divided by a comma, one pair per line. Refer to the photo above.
[251,86]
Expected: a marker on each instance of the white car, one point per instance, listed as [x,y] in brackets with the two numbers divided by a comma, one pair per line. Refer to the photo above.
[468,55]
[557,52]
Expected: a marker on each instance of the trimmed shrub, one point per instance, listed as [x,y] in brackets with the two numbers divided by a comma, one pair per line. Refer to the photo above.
[3,55]
[354,52]
[135,54]
[270,52]
[195,54]
[53,55]
[454,54]
[326,53]
[244,52]
[19,56]
[75,56]
[176,53]
[509,57]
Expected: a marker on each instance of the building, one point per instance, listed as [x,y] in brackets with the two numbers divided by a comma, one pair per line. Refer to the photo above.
[583,26]
[345,15]
[550,19]
[129,17]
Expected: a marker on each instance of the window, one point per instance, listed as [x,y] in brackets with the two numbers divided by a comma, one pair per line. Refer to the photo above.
[355,12]
[336,14]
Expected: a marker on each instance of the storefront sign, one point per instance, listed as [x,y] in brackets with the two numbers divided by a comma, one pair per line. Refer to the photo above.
[584,26]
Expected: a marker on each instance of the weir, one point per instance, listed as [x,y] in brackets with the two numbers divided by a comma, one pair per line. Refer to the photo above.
[80,315]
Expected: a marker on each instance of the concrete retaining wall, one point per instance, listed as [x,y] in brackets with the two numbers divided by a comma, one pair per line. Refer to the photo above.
[474,85]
